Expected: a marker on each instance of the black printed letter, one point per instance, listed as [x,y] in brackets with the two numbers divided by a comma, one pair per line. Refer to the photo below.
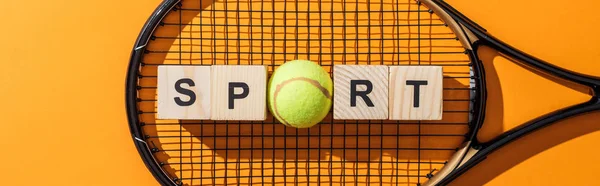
[417,84]
[232,96]
[184,91]
[362,94]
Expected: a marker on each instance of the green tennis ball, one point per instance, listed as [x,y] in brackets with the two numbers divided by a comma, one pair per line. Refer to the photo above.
[300,93]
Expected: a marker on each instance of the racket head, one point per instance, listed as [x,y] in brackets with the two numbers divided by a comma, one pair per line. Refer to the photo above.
[271,32]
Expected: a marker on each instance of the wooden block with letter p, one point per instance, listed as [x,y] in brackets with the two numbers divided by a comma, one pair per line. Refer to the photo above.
[360,92]
[415,93]
[239,92]
[183,92]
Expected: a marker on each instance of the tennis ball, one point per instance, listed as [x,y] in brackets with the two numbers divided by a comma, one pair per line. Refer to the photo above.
[300,93]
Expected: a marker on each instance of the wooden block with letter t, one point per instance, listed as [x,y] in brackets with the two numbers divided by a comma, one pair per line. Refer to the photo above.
[415,93]
[183,92]
[239,92]
[360,92]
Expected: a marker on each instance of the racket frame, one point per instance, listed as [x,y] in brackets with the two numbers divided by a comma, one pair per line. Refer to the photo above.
[472,152]
[131,91]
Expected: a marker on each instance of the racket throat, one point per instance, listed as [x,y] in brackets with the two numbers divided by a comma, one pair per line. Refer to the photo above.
[596,92]
[462,155]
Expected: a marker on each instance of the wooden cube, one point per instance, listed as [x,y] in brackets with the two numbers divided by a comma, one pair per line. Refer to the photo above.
[183,92]
[415,92]
[239,92]
[360,92]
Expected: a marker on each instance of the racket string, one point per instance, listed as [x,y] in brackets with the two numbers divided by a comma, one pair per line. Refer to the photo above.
[339,151]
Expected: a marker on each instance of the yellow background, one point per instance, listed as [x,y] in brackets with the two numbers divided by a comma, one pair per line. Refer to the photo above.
[62,83]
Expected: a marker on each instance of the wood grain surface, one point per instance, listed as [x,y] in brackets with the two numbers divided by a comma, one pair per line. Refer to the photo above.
[401,97]
[199,77]
[253,106]
[377,75]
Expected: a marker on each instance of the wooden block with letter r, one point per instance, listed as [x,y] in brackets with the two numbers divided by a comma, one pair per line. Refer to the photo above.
[415,92]
[239,92]
[183,92]
[360,92]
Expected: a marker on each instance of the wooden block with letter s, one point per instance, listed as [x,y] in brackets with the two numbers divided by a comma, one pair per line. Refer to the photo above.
[239,92]
[360,92]
[184,92]
[415,93]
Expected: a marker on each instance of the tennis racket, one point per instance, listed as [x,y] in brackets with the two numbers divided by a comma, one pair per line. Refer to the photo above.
[334,152]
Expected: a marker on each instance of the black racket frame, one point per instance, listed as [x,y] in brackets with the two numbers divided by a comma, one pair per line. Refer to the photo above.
[478,94]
